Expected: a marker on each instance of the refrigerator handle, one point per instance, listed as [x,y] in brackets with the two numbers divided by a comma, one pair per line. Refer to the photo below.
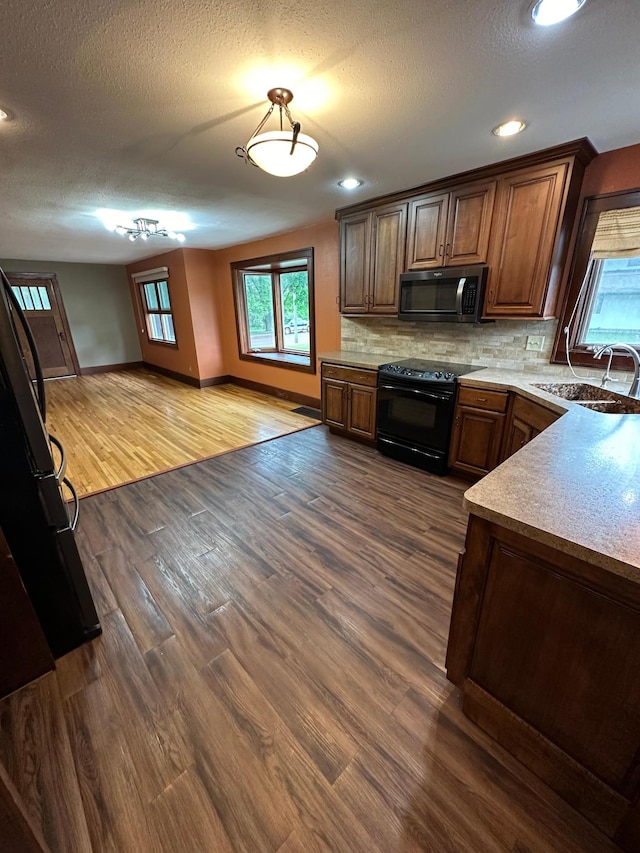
[63,457]
[42,404]
[76,503]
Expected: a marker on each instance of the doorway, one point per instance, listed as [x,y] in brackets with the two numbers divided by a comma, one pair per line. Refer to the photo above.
[40,299]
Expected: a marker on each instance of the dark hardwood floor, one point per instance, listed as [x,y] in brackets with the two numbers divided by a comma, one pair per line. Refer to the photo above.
[271,673]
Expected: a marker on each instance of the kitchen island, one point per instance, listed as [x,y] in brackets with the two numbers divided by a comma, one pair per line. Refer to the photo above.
[545,630]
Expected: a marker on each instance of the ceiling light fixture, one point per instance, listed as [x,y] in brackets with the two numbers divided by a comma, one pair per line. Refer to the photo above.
[548,12]
[145,228]
[279,152]
[350,183]
[3,115]
[509,128]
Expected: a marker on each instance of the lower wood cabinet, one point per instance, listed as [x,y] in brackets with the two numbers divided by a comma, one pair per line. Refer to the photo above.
[478,428]
[525,421]
[491,425]
[546,651]
[349,400]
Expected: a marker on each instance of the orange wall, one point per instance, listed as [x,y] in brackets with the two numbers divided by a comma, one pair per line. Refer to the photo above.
[182,359]
[204,301]
[324,239]
[201,291]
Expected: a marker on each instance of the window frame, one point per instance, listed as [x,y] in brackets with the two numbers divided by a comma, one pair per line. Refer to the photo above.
[579,354]
[275,266]
[146,311]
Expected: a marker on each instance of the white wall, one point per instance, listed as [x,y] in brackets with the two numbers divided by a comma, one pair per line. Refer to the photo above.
[98,305]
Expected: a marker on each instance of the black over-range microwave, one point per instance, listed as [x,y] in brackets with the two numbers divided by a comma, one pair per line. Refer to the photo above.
[454,294]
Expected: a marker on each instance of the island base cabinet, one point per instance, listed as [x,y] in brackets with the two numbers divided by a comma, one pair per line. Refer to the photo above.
[546,651]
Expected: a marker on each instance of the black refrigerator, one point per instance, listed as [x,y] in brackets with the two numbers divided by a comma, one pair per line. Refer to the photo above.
[35,518]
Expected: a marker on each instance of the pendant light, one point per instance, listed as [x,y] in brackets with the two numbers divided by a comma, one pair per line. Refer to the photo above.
[280,152]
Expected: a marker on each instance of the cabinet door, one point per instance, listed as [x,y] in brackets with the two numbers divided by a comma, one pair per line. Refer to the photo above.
[427,231]
[469,224]
[389,234]
[528,211]
[517,435]
[476,440]
[361,410]
[334,396]
[355,245]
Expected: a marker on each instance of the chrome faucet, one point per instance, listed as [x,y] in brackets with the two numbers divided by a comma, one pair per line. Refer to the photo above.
[634,390]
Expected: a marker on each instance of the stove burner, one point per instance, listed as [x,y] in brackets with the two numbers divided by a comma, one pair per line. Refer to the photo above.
[428,371]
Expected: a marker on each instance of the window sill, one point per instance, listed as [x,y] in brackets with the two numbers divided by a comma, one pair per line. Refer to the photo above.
[162,343]
[280,359]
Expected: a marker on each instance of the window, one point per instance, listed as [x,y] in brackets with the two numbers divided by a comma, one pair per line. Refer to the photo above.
[274,309]
[32,298]
[602,304]
[157,308]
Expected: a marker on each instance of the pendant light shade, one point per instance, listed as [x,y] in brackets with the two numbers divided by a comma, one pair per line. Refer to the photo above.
[282,153]
[272,152]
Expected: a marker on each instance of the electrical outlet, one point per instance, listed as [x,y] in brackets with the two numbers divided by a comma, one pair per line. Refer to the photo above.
[535,342]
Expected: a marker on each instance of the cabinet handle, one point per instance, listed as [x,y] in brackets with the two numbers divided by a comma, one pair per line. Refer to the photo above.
[447,250]
[458,421]
[441,249]
[481,399]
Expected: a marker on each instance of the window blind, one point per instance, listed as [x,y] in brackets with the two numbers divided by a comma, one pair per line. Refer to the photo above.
[151,275]
[617,234]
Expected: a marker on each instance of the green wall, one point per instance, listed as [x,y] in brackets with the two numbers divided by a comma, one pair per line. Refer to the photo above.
[98,304]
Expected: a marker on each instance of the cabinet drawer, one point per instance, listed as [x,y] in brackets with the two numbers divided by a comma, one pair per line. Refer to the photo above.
[350,374]
[480,398]
[539,417]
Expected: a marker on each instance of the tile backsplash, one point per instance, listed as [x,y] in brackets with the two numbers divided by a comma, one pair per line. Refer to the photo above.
[500,344]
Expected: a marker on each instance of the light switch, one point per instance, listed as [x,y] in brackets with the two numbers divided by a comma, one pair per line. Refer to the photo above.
[535,342]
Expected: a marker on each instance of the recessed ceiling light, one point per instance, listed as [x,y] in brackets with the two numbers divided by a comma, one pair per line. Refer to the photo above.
[548,12]
[349,183]
[3,115]
[509,128]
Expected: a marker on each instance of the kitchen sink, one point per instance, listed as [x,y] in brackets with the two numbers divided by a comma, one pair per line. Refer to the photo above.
[592,397]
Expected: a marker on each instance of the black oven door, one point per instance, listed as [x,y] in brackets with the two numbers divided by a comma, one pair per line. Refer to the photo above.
[418,416]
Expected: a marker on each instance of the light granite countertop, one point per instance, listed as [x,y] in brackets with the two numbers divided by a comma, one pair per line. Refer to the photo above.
[575,487]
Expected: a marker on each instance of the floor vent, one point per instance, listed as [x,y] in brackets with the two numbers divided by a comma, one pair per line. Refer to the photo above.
[308,412]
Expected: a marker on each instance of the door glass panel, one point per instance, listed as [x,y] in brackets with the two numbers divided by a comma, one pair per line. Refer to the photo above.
[35,296]
[44,298]
[28,301]
[259,299]
[167,328]
[155,327]
[18,294]
[163,288]
[294,299]
[151,296]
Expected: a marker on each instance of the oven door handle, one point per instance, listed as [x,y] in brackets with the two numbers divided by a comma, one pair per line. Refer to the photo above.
[419,391]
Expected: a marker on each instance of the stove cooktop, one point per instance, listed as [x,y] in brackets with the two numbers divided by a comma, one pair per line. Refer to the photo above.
[428,371]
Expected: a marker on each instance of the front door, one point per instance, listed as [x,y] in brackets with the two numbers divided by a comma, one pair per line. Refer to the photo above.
[40,299]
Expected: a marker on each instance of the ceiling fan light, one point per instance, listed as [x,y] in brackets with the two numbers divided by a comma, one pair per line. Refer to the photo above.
[180,238]
[271,151]
[545,13]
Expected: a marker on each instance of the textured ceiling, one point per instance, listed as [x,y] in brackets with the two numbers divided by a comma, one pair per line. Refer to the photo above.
[137,106]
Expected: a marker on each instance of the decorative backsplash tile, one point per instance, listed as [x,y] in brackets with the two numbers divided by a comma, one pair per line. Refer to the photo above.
[500,344]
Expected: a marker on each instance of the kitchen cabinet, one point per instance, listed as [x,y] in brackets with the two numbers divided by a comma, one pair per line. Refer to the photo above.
[525,233]
[516,217]
[372,250]
[452,228]
[349,399]
[478,428]
[546,651]
[525,420]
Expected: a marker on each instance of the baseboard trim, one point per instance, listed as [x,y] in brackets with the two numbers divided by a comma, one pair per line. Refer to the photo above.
[187,380]
[281,393]
[111,368]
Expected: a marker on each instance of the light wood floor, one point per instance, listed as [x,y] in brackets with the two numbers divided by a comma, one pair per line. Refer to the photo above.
[119,427]
[270,677]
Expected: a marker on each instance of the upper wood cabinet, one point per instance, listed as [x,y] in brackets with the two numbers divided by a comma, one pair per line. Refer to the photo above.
[448,229]
[527,220]
[372,251]
[514,216]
